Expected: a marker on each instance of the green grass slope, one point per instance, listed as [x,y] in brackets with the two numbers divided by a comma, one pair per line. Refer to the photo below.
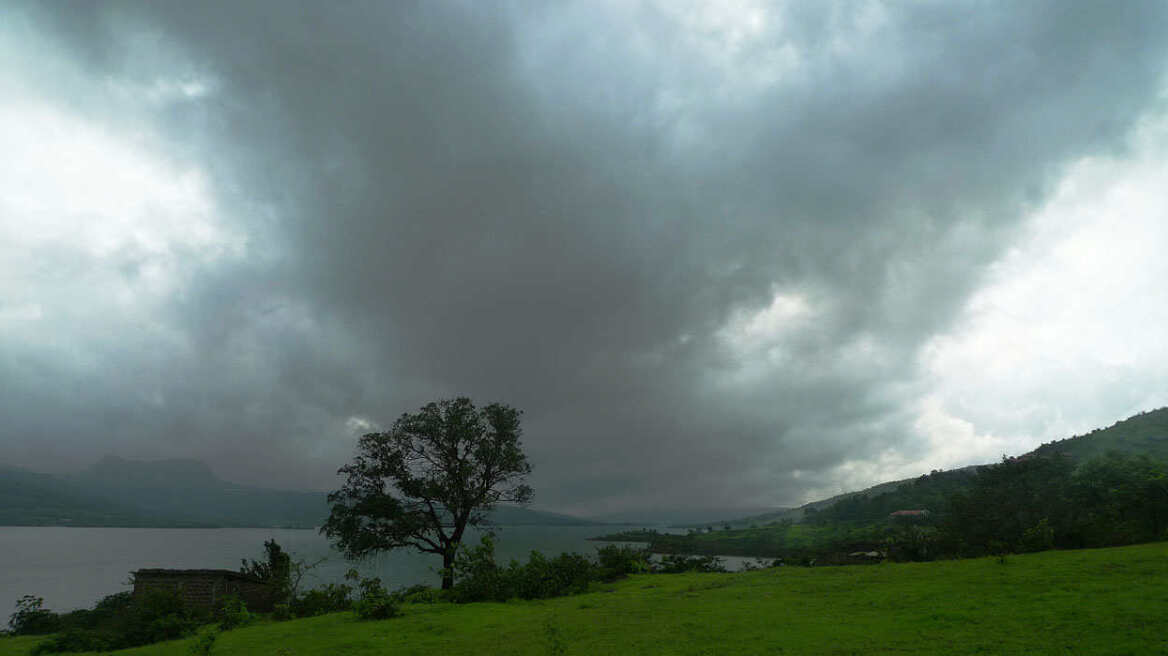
[1104,601]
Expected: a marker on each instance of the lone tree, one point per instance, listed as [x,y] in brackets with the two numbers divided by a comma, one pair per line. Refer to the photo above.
[421,483]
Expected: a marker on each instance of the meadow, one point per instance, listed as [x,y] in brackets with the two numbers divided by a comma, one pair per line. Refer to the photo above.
[1092,601]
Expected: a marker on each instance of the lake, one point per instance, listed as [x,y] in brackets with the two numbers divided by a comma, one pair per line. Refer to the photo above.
[74,567]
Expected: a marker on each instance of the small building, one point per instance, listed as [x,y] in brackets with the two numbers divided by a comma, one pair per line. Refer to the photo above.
[908,515]
[204,588]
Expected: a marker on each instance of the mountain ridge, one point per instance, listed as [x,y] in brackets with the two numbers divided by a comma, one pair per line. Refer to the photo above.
[117,491]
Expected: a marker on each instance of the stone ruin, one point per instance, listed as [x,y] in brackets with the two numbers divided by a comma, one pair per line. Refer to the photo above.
[204,588]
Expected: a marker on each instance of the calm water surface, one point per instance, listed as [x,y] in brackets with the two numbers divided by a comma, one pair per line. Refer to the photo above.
[74,567]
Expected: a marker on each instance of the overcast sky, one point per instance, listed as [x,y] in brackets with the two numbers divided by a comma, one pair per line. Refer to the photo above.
[720,253]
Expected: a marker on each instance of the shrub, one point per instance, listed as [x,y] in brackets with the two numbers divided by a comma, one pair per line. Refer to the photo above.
[615,562]
[541,578]
[420,594]
[324,599]
[275,570]
[375,603]
[282,612]
[122,621]
[477,576]
[232,613]
[32,618]
[1039,537]
[677,563]
[74,640]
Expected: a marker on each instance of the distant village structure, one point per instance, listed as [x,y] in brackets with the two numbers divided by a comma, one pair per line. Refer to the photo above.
[908,515]
[204,588]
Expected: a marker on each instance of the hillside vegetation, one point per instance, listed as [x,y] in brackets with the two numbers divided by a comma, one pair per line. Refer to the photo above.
[1142,434]
[1106,488]
[1103,601]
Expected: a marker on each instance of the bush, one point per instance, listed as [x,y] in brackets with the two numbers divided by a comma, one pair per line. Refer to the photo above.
[275,570]
[676,564]
[615,562]
[421,594]
[329,598]
[913,543]
[477,577]
[32,618]
[375,603]
[232,613]
[1039,537]
[75,640]
[282,612]
[121,621]
[540,578]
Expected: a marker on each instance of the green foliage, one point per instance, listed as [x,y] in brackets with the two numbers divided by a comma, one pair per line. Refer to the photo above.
[232,613]
[1039,537]
[275,570]
[911,543]
[282,612]
[421,594]
[677,563]
[1143,434]
[329,598]
[479,578]
[375,603]
[434,473]
[793,543]
[1022,504]
[1040,502]
[618,561]
[32,618]
[122,621]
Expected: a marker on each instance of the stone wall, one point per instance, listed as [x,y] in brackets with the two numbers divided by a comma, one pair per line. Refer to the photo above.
[204,588]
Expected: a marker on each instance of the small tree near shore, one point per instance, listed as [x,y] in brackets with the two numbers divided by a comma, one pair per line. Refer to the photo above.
[423,482]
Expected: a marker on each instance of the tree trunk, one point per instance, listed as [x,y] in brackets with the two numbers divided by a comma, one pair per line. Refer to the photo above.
[448,570]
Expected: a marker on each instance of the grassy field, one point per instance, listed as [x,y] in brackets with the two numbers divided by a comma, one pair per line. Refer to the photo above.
[1101,601]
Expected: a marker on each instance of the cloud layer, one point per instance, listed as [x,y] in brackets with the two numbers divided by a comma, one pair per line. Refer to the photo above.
[715,251]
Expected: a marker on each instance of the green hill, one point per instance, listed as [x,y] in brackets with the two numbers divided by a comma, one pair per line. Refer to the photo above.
[1142,434]
[1101,601]
[829,529]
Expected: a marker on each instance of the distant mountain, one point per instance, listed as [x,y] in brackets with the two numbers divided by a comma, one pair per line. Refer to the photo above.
[187,491]
[32,499]
[178,493]
[178,473]
[515,516]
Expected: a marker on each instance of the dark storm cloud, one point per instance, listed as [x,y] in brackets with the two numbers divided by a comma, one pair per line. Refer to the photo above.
[578,210]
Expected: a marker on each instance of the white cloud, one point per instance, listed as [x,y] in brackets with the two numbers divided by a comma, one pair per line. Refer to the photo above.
[1067,332]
